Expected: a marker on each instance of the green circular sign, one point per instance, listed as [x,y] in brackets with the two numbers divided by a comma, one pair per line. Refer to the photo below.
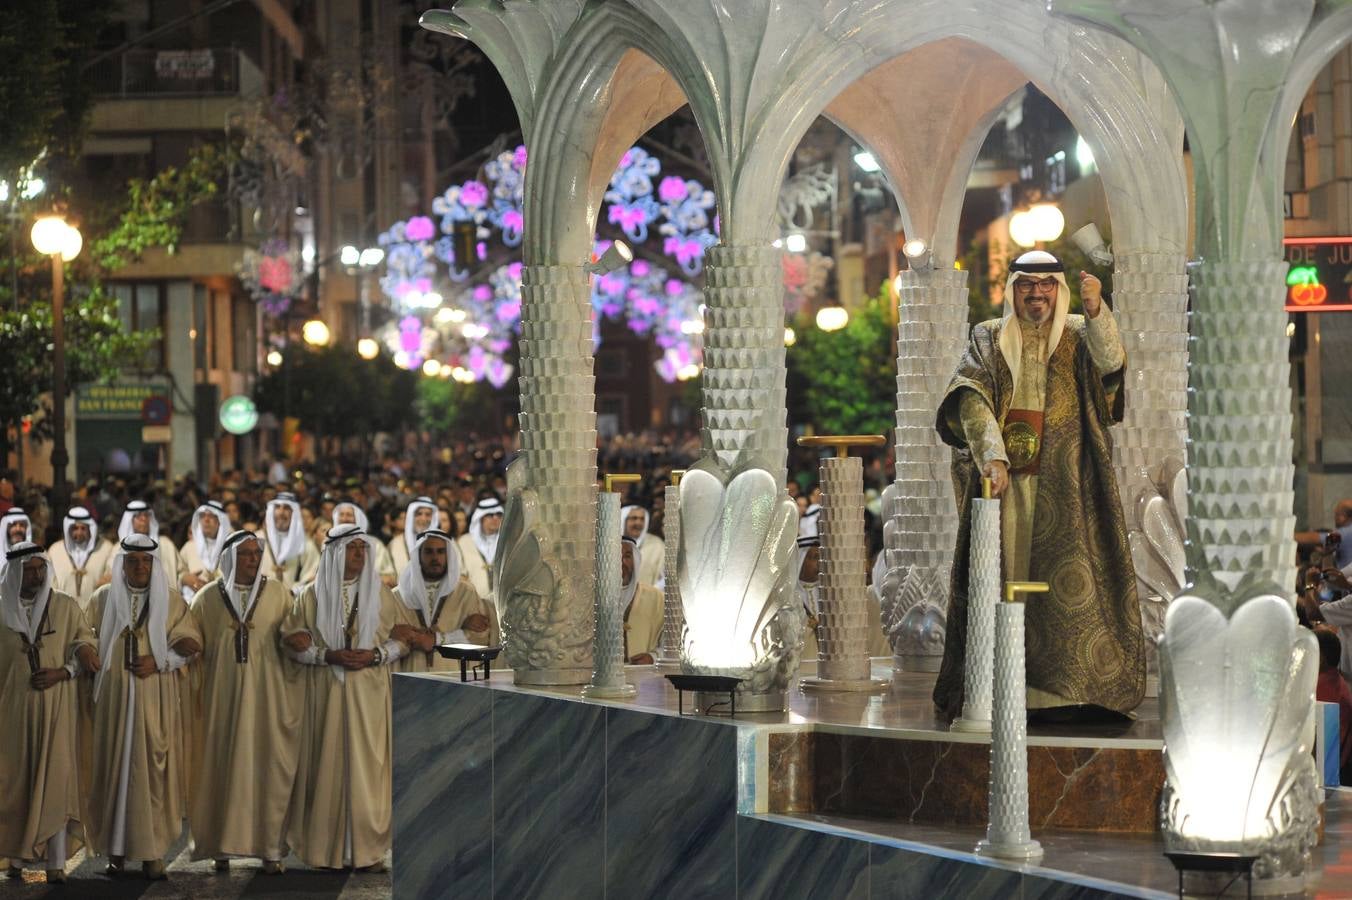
[239,415]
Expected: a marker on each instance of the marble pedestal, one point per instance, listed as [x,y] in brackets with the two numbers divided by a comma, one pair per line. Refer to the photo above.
[505,791]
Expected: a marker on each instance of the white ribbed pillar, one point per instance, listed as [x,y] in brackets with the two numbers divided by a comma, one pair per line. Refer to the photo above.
[744,371]
[550,643]
[607,680]
[983,595]
[1008,835]
[931,336]
[1240,470]
[1150,302]
[673,614]
[842,623]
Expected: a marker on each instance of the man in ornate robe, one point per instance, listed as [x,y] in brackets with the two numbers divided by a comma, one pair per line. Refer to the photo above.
[440,606]
[201,553]
[139,780]
[642,606]
[45,643]
[81,557]
[420,516]
[1029,407]
[251,703]
[289,557]
[339,630]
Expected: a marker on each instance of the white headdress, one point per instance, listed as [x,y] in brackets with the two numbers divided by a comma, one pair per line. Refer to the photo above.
[808,523]
[14,515]
[1037,264]
[209,550]
[288,545]
[410,532]
[487,543]
[358,514]
[79,553]
[329,593]
[232,545]
[412,587]
[630,588]
[14,617]
[647,520]
[137,506]
[117,606]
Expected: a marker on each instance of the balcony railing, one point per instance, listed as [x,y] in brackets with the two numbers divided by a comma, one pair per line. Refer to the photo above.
[222,72]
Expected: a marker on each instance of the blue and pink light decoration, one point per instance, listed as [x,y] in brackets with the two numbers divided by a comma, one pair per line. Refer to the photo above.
[668,221]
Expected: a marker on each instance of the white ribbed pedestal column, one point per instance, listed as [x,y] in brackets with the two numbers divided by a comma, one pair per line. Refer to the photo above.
[673,615]
[983,596]
[1008,835]
[1150,303]
[842,621]
[1240,471]
[607,679]
[744,410]
[931,335]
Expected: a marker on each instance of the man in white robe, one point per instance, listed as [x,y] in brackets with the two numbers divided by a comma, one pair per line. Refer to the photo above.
[443,606]
[339,630]
[252,698]
[420,516]
[45,643]
[348,513]
[15,527]
[202,552]
[479,545]
[139,518]
[809,587]
[642,607]
[80,559]
[289,557]
[652,569]
[139,778]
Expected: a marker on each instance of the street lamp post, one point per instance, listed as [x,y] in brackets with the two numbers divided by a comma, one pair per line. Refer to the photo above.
[358,263]
[53,236]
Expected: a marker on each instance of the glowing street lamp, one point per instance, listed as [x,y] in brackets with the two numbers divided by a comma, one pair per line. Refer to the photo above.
[367,348]
[53,236]
[315,333]
[832,318]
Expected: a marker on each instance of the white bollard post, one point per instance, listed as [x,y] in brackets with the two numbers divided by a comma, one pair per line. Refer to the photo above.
[983,596]
[608,681]
[673,614]
[1008,835]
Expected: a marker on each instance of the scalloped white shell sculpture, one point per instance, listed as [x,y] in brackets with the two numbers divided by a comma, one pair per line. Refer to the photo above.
[1237,706]
[737,541]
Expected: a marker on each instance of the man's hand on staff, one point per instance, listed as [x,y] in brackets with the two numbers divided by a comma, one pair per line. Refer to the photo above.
[997,470]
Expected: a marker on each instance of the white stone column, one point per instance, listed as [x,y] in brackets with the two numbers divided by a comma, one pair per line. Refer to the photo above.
[842,626]
[558,453]
[673,614]
[744,412]
[1150,302]
[1240,470]
[607,679]
[931,336]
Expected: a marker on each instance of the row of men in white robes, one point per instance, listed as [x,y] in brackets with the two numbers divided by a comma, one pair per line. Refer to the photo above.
[260,717]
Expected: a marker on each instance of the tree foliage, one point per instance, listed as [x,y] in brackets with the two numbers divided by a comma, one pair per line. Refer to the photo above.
[447,406]
[96,350]
[157,208]
[335,394]
[844,382]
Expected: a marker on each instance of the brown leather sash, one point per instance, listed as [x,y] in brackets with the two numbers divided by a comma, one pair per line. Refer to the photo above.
[1023,441]
[242,627]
